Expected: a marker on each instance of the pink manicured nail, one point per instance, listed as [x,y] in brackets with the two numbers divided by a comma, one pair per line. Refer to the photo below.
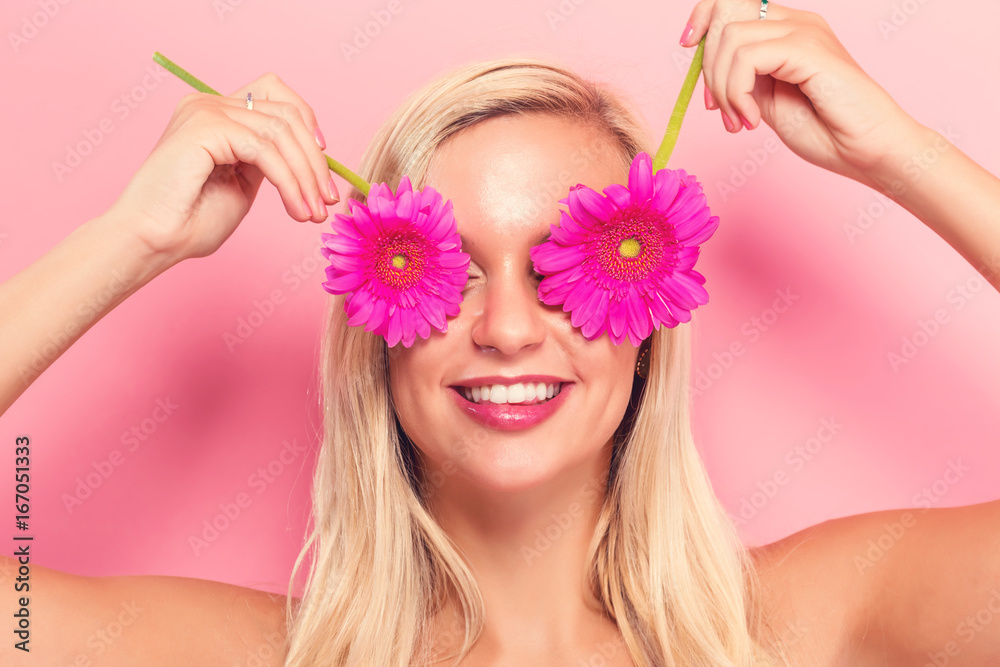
[688,29]
[305,205]
[746,123]
[709,100]
[319,138]
[728,123]
[322,207]
[333,191]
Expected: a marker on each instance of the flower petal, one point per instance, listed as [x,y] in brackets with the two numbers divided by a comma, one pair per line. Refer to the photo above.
[618,194]
[637,312]
[395,329]
[554,258]
[344,283]
[640,178]
[666,185]
[704,233]
[595,204]
[597,324]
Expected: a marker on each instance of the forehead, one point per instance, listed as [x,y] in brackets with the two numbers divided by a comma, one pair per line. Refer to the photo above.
[506,175]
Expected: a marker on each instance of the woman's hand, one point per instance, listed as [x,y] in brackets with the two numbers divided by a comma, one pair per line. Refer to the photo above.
[792,72]
[202,176]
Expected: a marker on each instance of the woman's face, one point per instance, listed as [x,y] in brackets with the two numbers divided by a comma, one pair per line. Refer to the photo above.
[504,177]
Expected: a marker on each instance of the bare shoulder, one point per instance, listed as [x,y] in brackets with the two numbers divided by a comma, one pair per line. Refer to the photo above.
[819,586]
[148,620]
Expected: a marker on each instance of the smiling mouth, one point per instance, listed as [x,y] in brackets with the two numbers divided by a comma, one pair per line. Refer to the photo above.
[522,393]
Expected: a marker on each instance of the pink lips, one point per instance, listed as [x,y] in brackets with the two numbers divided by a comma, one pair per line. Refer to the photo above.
[511,416]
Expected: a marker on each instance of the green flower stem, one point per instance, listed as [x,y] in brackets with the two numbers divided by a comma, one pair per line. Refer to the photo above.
[172,67]
[677,115]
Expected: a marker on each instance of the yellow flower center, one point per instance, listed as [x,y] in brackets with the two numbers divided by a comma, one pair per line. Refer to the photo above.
[629,247]
[399,261]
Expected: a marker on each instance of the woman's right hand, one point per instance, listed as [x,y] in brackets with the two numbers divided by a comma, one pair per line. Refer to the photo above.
[202,176]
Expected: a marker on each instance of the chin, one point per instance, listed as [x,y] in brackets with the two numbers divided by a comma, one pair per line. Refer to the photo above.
[510,467]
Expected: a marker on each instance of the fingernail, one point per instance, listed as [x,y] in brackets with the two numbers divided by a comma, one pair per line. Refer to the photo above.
[332,189]
[305,205]
[319,137]
[709,101]
[688,29]
[322,207]
[728,123]
[746,123]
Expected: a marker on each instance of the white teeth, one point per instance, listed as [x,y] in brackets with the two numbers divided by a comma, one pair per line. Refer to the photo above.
[528,392]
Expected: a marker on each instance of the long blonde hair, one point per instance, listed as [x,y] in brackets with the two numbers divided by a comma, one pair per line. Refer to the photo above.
[666,563]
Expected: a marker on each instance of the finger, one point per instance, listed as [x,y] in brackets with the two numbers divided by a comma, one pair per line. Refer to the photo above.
[732,90]
[250,177]
[236,142]
[778,59]
[282,121]
[269,130]
[271,88]
[723,12]
[709,19]
[697,23]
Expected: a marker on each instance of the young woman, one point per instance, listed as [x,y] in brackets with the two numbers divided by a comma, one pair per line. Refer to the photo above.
[426,514]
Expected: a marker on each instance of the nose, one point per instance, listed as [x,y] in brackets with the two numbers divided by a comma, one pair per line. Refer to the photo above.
[512,317]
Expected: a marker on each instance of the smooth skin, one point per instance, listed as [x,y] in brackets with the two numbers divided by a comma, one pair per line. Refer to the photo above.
[924,597]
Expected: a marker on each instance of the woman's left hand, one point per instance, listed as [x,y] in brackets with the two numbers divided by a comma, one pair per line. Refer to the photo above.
[790,71]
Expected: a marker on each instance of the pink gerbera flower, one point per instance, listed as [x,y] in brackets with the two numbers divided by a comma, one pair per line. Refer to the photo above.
[399,260]
[622,262]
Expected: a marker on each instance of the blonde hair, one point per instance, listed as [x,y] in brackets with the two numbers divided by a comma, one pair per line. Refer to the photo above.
[666,563]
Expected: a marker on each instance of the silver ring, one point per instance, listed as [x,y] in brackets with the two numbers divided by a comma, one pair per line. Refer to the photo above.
[763,9]
[250,96]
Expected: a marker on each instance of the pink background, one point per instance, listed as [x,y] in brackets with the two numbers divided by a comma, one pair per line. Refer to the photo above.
[783,229]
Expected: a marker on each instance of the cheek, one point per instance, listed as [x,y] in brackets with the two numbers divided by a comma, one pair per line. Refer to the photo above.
[609,382]
[415,382]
